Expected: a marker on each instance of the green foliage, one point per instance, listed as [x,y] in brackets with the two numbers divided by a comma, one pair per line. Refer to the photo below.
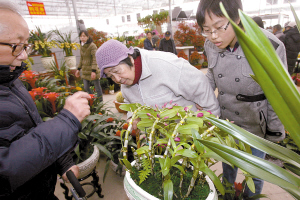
[143,174]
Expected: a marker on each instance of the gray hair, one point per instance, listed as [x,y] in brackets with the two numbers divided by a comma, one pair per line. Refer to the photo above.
[8,5]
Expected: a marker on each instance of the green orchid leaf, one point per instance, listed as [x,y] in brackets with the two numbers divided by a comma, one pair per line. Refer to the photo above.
[198,145]
[292,168]
[166,166]
[168,113]
[168,189]
[161,162]
[187,153]
[145,123]
[175,159]
[250,183]
[257,142]
[180,168]
[127,164]
[186,129]
[129,107]
[142,150]
[214,179]
[103,149]
[143,114]
[195,120]
[257,167]
[210,154]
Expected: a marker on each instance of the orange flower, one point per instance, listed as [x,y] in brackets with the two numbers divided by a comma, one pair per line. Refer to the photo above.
[91,100]
[32,94]
[39,91]
[99,113]
[30,77]
[110,119]
[125,126]
[133,132]
[51,97]
[238,188]
[118,133]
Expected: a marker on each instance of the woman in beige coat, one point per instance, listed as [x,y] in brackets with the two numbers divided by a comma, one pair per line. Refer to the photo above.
[87,65]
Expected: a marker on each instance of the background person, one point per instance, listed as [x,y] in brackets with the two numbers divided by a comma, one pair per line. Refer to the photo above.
[32,152]
[277,31]
[259,21]
[155,39]
[291,41]
[167,44]
[241,99]
[155,77]
[90,71]
[148,42]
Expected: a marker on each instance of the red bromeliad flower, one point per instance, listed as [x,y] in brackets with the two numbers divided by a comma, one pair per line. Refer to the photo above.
[238,188]
[32,94]
[110,119]
[118,133]
[39,91]
[125,126]
[51,97]
[30,77]
[91,100]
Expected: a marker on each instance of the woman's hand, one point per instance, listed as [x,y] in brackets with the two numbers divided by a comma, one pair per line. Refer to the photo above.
[93,75]
[77,73]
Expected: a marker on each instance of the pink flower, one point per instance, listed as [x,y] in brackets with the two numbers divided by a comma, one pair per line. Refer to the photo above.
[149,114]
[156,106]
[171,102]
[200,115]
[166,117]
[209,112]
[158,115]
[186,109]
[177,139]
[170,107]
[164,105]
[165,124]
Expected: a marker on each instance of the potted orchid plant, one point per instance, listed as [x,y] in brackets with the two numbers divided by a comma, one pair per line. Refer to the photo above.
[199,139]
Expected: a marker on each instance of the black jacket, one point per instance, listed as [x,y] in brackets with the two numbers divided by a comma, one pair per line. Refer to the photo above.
[29,147]
[292,46]
[163,46]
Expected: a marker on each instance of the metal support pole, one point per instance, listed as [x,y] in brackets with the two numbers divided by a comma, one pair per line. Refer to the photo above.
[76,15]
[170,17]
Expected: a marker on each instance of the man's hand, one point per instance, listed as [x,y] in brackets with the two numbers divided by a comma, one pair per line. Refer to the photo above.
[74,169]
[78,105]
[77,73]
[93,75]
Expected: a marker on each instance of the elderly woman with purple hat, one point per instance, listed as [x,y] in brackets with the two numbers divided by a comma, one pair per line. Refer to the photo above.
[155,77]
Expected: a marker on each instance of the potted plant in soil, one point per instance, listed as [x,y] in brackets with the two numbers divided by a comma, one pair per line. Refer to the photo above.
[119,101]
[64,41]
[42,45]
[279,89]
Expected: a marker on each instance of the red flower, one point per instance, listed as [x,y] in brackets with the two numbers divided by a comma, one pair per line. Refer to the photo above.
[99,113]
[133,132]
[30,77]
[39,91]
[32,94]
[238,188]
[125,126]
[51,97]
[110,119]
[91,100]
[118,133]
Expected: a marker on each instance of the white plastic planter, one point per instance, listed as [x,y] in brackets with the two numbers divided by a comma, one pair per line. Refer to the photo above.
[47,62]
[70,62]
[134,192]
[87,166]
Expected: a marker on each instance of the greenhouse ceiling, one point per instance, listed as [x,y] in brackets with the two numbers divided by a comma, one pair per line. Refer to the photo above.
[97,8]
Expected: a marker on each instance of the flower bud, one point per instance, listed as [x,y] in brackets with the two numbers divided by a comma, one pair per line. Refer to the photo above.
[200,115]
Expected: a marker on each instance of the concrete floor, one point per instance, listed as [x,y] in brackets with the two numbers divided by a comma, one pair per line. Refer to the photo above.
[113,189]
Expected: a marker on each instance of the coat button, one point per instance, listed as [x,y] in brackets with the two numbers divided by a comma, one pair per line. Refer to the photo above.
[223,107]
[258,104]
[220,75]
[236,112]
[221,93]
[237,80]
[238,57]
[222,55]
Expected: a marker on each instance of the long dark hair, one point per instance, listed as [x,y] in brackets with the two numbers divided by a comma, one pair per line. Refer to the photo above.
[127,60]
[90,40]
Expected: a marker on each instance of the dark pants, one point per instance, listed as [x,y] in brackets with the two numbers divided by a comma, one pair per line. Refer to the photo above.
[86,86]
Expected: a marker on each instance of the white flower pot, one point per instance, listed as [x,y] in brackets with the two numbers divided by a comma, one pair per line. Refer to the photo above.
[70,62]
[47,62]
[111,91]
[87,166]
[134,192]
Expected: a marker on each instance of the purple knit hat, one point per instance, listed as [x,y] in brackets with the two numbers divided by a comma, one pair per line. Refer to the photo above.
[111,53]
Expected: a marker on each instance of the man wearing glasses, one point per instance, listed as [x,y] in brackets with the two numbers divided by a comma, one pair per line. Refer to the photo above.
[32,152]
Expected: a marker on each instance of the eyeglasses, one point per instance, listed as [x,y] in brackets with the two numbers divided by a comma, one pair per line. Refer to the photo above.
[17,49]
[207,33]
